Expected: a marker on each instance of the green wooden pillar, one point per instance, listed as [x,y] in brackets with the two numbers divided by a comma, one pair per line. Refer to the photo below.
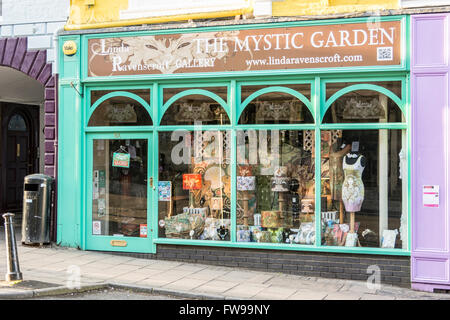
[70,159]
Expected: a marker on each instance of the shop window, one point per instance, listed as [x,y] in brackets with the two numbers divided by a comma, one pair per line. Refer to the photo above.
[275,186]
[303,88]
[221,92]
[363,106]
[142,93]
[194,185]
[275,107]
[120,111]
[364,188]
[119,198]
[195,109]
[394,86]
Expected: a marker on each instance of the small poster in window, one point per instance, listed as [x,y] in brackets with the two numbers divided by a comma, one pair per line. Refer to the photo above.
[121,160]
[96,227]
[430,196]
[164,190]
[143,230]
[101,178]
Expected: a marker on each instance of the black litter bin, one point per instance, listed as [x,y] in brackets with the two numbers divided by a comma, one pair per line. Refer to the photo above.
[37,200]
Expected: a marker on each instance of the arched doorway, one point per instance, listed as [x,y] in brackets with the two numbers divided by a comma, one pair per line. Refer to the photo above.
[19,156]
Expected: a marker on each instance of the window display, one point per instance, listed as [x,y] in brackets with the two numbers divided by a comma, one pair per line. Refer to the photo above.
[275,186]
[196,166]
[366,190]
[360,171]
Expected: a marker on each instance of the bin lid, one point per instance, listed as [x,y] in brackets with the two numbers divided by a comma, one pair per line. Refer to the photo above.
[38,178]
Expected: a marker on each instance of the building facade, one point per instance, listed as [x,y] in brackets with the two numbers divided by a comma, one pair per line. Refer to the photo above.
[256,138]
[28,112]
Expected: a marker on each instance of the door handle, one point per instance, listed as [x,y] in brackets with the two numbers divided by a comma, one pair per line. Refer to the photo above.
[18,150]
[151,183]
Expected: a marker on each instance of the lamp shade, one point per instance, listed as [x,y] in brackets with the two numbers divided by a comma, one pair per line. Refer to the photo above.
[246,183]
[192,181]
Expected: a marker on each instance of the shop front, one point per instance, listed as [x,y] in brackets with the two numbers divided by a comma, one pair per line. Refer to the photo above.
[280,146]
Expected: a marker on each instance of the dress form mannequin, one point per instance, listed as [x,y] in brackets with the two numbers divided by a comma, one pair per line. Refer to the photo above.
[353,187]
[337,175]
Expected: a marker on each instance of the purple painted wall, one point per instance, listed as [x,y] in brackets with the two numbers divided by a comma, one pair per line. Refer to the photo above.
[14,54]
[430,69]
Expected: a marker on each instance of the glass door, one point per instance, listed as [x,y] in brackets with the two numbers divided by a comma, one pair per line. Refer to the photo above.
[119,192]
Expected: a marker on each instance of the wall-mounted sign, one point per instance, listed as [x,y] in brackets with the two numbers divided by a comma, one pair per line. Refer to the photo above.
[121,160]
[430,196]
[69,48]
[321,46]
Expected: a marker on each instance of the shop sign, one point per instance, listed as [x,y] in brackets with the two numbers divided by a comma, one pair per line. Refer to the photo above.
[324,46]
[430,196]
[121,160]
[69,48]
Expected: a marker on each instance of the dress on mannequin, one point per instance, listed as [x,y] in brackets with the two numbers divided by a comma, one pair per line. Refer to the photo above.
[337,172]
[353,187]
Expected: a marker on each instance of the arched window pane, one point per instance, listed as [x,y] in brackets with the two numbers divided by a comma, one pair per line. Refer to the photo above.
[17,123]
[276,108]
[394,86]
[222,92]
[363,106]
[303,88]
[120,111]
[195,109]
[142,93]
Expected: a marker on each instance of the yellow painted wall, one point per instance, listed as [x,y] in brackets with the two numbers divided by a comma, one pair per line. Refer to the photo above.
[101,11]
[323,7]
[86,14]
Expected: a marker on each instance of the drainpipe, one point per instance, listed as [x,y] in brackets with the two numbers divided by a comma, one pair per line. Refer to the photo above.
[55,143]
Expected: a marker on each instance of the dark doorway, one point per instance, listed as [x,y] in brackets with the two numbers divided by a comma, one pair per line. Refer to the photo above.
[19,152]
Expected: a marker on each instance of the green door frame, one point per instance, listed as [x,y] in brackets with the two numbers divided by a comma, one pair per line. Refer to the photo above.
[103,243]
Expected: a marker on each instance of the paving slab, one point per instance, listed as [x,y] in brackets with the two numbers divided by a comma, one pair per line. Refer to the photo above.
[308,295]
[216,286]
[157,282]
[275,293]
[245,290]
[187,284]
